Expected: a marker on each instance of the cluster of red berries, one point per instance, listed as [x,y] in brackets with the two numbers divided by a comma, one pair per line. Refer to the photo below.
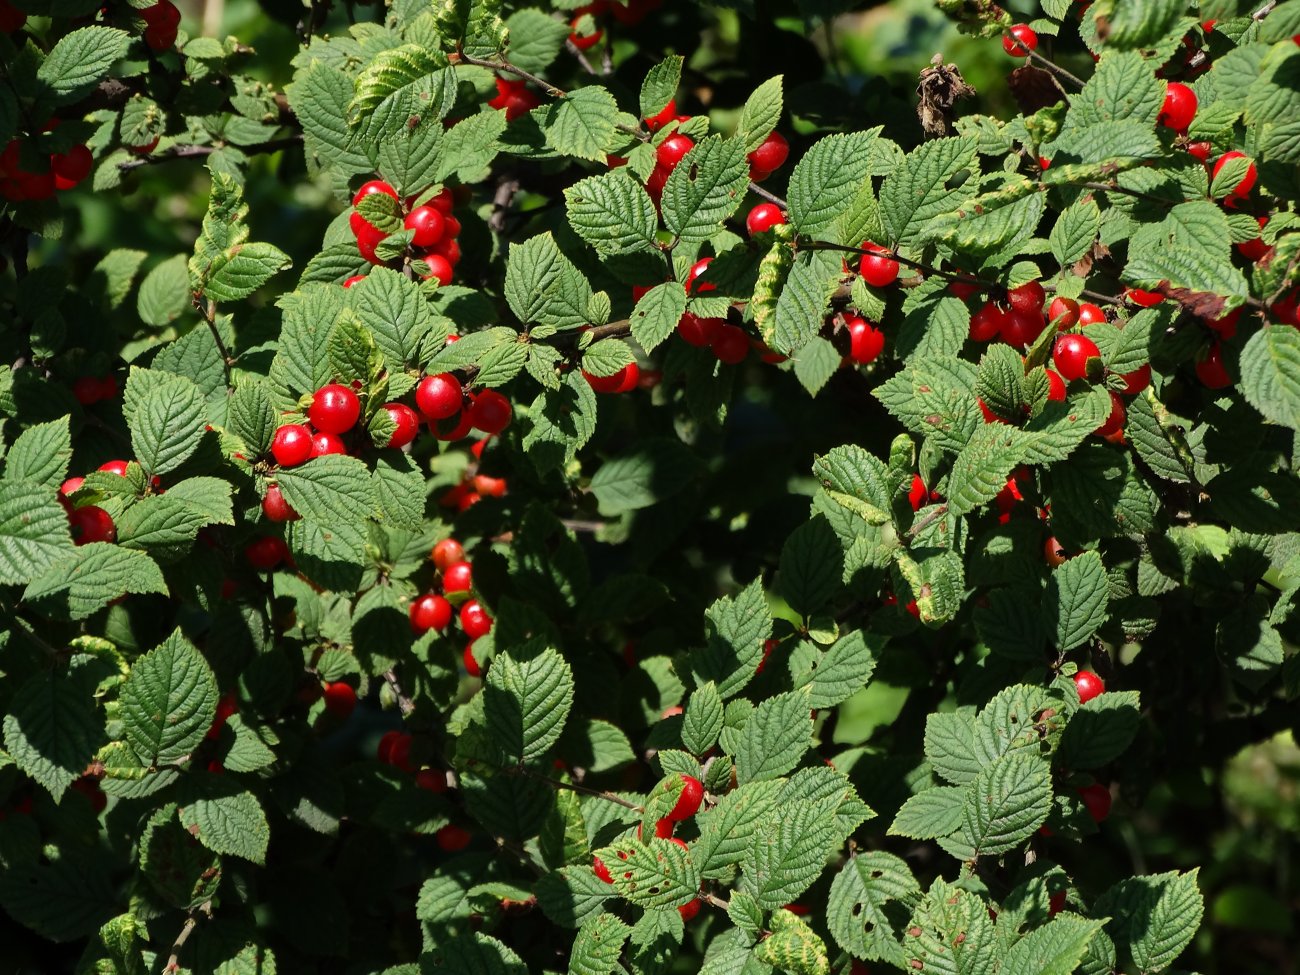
[687,805]
[729,342]
[514,97]
[161,23]
[442,397]
[88,390]
[434,611]
[434,227]
[395,750]
[65,170]
[90,522]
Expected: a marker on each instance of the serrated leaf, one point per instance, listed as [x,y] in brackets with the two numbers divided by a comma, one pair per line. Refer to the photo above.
[736,629]
[581,124]
[657,470]
[1153,918]
[983,466]
[727,830]
[168,702]
[242,270]
[811,566]
[656,315]
[1078,596]
[1074,231]
[40,455]
[803,301]
[705,188]
[53,728]
[827,178]
[857,480]
[775,737]
[1007,803]
[761,113]
[320,96]
[526,702]
[930,814]
[702,720]
[951,933]
[1100,730]
[165,292]
[613,213]
[543,286]
[790,856]
[1270,374]
[598,945]
[1054,949]
[329,489]
[80,59]
[167,422]
[660,85]
[228,821]
[932,180]
[841,670]
[655,873]
[950,746]
[91,577]
[870,900]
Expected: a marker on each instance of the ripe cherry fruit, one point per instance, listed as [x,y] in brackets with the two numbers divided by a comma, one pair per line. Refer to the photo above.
[340,699]
[763,217]
[275,507]
[624,380]
[430,612]
[374,186]
[1143,299]
[689,909]
[427,222]
[1179,107]
[291,445]
[1020,328]
[440,396]
[1027,298]
[1071,354]
[471,662]
[671,151]
[474,620]
[1063,313]
[656,122]
[334,409]
[91,523]
[1090,314]
[490,412]
[1210,369]
[770,156]
[876,267]
[1247,181]
[405,424]
[446,553]
[865,341]
[1097,800]
[1020,40]
[1055,386]
[1088,684]
[457,577]
[452,838]
[730,344]
[688,803]
[265,553]
[986,324]
[327,443]
[601,871]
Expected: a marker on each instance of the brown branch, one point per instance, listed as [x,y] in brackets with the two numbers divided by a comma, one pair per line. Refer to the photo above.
[197,152]
[1055,68]
[584,790]
[765,194]
[404,703]
[208,311]
[582,58]
[191,922]
[509,68]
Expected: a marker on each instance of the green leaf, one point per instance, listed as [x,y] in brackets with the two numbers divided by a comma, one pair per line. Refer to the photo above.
[41,454]
[1189,249]
[92,576]
[1100,730]
[1153,918]
[228,821]
[656,873]
[935,398]
[950,746]
[787,858]
[469,147]
[64,897]
[930,814]
[811,565]
[826,179]
[929,182]
[1142,23]
[53,727]
[1270,374]
[243,270]
[319,96]
[1007,803]
[857,480]
[581,124]
[80,59]
[705,188]
[815,363]
[1077,596]
[657,470]
[656,315]
[613,213]
[162,526]
[563,419]
[167,421]
[599,943]
[775,737]
[391,71]
[842,670]
[526,702]
[251,414]
[543,286]
[330,489]
[606,357]
[702,720]
[802,303]
[1120,88]
[727,830]
[1054,949]
[983,466]
[115,273]
[870,900]
[737,628]
[164,293]
[168,702]
[535,39]
[761,113]
[951,933]
[660,85]
[1074,231]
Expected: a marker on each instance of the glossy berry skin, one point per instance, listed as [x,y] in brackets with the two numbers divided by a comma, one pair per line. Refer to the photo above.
[763,217]
[446,553]
[770,155]
[876,269]
[265,553]
[399,751]
[291,445]
[452,838]
[91,523]
[1254,249]
[355,279]
[368,238]
[730,344]
[865,341]
[340,699]
[672,150]
[1029,297]
[689,909]
[656,122]
[474,620]
[583,41]
[117,467]
[697,331]
[406,424]
[514,97]
[1136,381]
[470,661]
[1211,371]
[430,612]
[1088,684]
[490,487]
[688,803]
[440,268]
[1113,426]
[1063,312]
[695,286]
[1071,354]
[427,222]
[374,186]
[327,443]
[457,577]
[1055,386]
[918,494]
[620,382]
[1090,314]
[1020,40]
[334,409]
[1020,328]
[986,324]
[275,507]
[1247,181]
[1097,800]
[439,397]
[1179,107]
[1199,150]
[490,412]
[601,871]
[1144,299]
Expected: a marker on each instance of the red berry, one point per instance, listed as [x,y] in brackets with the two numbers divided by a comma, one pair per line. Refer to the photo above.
[489,487]
[334,409]
[374,186]
[355,279]
[1200,150]
[399,752]
[117,467]
[1088,684]
[431,780]
[91,523]
[1210,369]
[474,620]
[876,268]
[406,424]
[962,289]
[85,390]
[1113,426]
[452,839]
[439,397]
[471,662]
[583,41]
[160,37]
[770,155]
[340,699]
[695,286]
[439,268]
[1020,328]
[71,167]
[428,223]
[688,803]
[164,12]
[918,494]
[1056,902]
[763,217]
[1063,313]
[70,486]
[989,415]
[265,553]
[108,388]
[1054,553]
[1071,355]
[457,577]
[447,552]
[89,788]
[599,868]
[1255,249]
[865,341]
[291,445]
[730,344]
[327,443]
[1027,298]
[698,331]
[1179,107]
[986,324]
[1247,181]
[689,909]
[451,230]
[1090,314]
[490,412]
[368,238]
[620,382]
[1136,381]
[11,18]
[385,750]
[1020,40]
[429,612]
[1097,800]
[275,507]
[1144,299]
[1225,327]
[671,151]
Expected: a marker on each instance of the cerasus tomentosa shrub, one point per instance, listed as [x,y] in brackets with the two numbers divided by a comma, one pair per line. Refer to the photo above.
[460,600]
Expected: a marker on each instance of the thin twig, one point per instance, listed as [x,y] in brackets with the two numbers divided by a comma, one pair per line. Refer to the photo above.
[404,703]
[207,310]
[582,58]
[198,152]
[769,196]
[509,68]
[586,791]
[1055,68]
[191,922]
